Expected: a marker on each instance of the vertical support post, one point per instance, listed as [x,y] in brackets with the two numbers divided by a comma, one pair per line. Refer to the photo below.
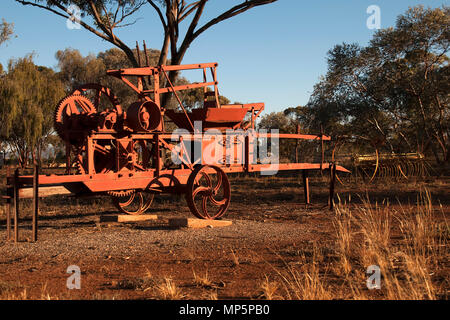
[8,218]
[140,79]
[16,205]
[216,90]
[253,118]
[8,209]
[90,149]
[138,52]
[296,144]
[156,88]
[147,64]
[332,183]
[247,153]
[68,164]
[35,202]
[321,148]
[204,80]
[306,186]
[157,154]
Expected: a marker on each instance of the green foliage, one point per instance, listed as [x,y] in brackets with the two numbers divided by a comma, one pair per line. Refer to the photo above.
[76,70]
[394,92]
[28,95]
[284,124]
[277,120]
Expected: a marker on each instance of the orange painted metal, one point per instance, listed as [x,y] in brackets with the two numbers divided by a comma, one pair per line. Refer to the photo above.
[120,152]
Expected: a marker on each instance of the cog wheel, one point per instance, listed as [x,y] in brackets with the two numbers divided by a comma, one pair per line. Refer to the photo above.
[96,92]
[66,112]
[121,193]
[135,204]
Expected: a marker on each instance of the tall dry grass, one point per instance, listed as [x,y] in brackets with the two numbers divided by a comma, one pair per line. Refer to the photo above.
[407,252]
[304,280]
[408,243]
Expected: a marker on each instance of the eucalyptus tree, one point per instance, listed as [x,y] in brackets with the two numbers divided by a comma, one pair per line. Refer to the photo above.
[28,95]
[395,91]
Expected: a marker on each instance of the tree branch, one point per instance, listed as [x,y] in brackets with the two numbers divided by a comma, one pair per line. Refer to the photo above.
[158,11]
[238,9]
[83,24]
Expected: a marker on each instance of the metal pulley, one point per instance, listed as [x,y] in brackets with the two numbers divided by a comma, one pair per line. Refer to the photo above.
[144,116]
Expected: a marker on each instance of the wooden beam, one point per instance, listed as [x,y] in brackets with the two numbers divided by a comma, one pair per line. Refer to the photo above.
[35,203]
[16,205]
[8,209]
[127,218]
[28,193]
[332,183]
[197,223]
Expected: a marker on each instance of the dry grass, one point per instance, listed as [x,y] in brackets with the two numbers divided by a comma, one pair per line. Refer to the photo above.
[168,290]
[210,295]
[16,292]
[270,289]
[234,258]
[10,295]
[409,245]
[202,280]
[365,237]
[408,242]
[305,282]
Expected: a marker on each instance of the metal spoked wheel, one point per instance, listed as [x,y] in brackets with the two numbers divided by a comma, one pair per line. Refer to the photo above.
[133,203]
[208,192]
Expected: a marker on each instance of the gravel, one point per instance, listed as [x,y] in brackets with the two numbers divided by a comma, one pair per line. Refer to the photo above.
[105,240]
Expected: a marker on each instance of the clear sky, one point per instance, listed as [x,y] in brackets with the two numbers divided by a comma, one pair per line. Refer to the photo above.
[273,54]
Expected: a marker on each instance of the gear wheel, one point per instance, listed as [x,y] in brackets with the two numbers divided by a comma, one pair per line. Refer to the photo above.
[68,106]
[121,193]
[115,194]
[79,167]
[96,92]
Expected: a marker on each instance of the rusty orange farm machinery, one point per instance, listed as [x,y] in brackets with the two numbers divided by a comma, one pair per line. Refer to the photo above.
[123,152]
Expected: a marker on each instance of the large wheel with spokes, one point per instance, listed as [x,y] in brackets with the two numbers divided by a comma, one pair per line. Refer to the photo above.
[208,192]
[133,202]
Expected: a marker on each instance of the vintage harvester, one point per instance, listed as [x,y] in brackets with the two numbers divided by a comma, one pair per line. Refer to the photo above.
[123,152]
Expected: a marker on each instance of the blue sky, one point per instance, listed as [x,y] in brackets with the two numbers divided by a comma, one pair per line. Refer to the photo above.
[273,54]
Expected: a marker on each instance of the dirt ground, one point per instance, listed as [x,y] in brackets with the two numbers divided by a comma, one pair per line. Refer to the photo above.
[272,232]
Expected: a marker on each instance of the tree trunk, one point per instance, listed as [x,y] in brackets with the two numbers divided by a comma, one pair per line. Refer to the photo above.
[164,50]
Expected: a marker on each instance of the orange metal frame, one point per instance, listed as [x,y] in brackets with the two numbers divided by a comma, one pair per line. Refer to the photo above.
[124,173]
[100,182]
